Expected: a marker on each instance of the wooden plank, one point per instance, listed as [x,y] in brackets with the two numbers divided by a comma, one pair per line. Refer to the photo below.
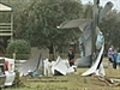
[6,30]
[5,27]
[6,34]
[5,24]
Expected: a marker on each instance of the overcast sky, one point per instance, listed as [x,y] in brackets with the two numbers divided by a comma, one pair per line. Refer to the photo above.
[103,2]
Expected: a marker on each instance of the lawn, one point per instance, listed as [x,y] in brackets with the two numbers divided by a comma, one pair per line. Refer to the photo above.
[73,81]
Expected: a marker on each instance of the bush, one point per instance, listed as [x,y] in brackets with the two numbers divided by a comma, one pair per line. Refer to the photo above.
[21,48]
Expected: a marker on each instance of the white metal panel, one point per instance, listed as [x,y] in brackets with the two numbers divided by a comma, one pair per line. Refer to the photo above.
[10,76]
[93,69]
[5,8]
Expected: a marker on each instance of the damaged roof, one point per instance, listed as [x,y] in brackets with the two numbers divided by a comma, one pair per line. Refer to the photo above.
[4,7]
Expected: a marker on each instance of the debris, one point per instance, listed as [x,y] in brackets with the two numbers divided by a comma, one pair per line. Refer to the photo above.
[110,81]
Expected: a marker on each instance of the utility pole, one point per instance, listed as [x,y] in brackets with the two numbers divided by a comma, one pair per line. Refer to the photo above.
[94,26]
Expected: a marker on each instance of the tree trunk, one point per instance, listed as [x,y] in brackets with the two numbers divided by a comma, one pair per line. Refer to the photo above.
[51,53]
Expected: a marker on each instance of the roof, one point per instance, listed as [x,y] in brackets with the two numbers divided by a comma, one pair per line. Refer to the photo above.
[4,7]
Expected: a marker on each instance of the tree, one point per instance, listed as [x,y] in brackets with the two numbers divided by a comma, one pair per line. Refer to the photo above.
[88,10]
[41,18]
[5,17]
[111,29]
[20,47]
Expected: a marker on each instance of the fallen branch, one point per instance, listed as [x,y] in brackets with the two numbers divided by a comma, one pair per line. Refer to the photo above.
[109,81]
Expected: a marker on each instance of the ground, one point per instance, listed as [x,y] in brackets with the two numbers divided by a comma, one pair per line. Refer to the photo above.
[73,81]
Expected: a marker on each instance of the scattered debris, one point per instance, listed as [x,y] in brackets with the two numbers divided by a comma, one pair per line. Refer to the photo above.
[109,81]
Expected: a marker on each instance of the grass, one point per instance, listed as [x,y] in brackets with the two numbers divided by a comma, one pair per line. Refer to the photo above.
[73,81]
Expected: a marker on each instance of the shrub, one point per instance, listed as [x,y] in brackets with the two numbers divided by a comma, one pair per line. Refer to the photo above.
[21,48]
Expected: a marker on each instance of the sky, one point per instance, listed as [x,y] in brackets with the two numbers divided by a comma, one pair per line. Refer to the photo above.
[116,3]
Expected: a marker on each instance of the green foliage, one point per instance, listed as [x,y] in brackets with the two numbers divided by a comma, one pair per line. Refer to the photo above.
[41,17]
[88,10]
[20,47]
[36,21]
[111,29]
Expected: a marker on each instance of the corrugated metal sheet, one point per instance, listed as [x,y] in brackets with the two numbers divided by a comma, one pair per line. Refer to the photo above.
[5,8]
